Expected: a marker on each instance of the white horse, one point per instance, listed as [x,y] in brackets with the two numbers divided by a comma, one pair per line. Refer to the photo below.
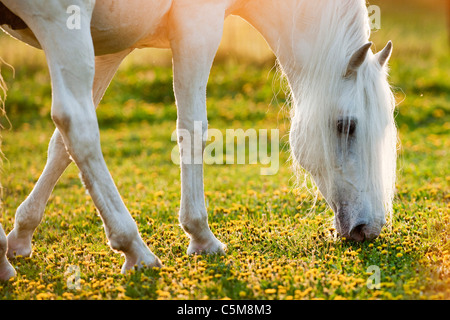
[343,130]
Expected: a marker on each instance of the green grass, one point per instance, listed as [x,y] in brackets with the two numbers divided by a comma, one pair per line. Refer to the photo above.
[280,242]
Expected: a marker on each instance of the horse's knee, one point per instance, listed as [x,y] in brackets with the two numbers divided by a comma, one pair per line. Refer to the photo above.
[79,129]
[68,111]
[61,118]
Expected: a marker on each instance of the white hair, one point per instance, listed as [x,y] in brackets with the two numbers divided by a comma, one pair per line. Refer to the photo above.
[318,99]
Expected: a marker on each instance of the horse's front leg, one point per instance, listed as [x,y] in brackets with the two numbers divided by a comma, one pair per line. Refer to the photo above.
[6,269]
[70,55]
[29,214]
[196,30]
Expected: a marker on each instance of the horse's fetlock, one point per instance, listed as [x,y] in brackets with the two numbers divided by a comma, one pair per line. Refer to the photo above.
[123,240]
[29,212]
[194,225]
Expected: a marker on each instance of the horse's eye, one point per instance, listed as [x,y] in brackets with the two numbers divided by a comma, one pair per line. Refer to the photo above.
[346,126]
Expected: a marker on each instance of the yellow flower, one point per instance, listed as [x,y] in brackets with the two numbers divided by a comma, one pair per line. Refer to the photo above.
[335,283]
[67,295]
[43,296]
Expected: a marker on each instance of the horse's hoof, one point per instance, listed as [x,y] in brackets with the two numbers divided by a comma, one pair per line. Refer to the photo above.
[213,246]
[140,264]
[7,271]
[140,257]
[18,246]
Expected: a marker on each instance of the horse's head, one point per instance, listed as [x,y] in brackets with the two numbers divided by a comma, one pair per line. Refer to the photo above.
[344,134]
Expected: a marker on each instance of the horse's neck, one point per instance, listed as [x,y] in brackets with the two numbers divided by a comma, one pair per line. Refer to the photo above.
[285,25]
[305,35]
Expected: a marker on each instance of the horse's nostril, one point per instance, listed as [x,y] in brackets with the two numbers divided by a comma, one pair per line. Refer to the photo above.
[357,233]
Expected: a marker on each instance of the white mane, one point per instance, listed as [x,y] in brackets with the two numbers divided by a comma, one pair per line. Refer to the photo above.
[318,100]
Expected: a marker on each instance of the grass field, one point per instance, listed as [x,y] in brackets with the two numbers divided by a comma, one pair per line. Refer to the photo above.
[280,241]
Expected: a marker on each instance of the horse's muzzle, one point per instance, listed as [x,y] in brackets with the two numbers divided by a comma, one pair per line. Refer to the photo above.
[359,230]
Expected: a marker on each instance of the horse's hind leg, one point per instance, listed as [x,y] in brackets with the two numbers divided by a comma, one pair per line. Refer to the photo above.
[6,269]
[70,55]
[30,212]
[196,32]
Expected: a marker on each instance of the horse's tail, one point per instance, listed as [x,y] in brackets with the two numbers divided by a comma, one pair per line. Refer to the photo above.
[3,90]
[3,94]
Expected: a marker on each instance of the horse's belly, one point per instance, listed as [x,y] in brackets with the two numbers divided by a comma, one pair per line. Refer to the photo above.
[120,24]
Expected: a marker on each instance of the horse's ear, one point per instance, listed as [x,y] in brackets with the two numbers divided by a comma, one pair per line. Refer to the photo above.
[384,55]
[357,59]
